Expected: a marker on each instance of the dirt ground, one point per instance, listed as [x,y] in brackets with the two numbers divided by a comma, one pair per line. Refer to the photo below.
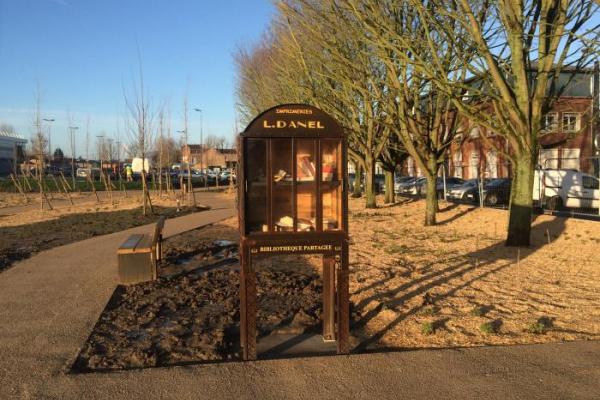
[27,232]
[454,284]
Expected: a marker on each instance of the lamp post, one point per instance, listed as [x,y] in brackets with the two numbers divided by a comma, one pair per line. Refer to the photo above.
[50,121]
[72,129]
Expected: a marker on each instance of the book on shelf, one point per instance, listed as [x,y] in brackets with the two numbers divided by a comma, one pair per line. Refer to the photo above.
[305,168]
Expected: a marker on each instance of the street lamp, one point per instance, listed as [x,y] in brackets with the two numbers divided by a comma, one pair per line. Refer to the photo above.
[72,129]
[49,120]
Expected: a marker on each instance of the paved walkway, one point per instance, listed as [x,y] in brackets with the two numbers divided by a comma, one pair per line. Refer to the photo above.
[50,303]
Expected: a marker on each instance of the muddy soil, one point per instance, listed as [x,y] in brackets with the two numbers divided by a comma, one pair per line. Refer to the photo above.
[24,240]
[194,317]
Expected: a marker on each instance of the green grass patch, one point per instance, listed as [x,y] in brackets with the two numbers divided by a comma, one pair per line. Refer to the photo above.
[427,328]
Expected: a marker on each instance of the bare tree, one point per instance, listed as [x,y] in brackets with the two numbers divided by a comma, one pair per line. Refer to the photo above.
[191,194]
[140,131]
[72,129]
[39,144]
[522,53]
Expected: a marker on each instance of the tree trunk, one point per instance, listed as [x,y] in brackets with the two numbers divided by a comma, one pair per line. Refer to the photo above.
[389,187]
[356,191]
[521,202]
[144,189]
[370,193]
[431,199]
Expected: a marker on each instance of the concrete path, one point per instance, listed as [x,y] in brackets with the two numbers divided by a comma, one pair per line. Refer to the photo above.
[50,303]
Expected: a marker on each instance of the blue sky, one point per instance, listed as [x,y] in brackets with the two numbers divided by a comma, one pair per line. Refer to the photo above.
[83,52]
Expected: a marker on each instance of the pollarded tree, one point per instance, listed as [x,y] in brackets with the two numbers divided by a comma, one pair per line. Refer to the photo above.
[424,119]
[522,50]
[341,76]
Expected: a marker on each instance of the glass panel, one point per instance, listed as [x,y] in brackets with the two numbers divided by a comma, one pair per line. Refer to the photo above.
[256,185]
[331,187]
[281,203]
[306,189]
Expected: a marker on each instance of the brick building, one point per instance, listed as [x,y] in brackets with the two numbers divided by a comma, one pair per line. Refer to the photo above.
[567,142]
[201,157]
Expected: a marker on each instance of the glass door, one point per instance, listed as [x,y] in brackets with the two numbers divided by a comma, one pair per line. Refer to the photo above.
[255,159]
[306,185]
[331,184]
[282,181]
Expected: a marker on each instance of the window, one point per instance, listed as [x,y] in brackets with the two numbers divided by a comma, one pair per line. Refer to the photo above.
[570,158]
[410,164]
[474,165]
[457,162]
[550,122]
[589,182]
[548,158]
[570,122]
[474,132]
[491,165]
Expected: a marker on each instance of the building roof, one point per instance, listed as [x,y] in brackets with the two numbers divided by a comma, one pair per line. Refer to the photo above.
[196,148]
[13,136]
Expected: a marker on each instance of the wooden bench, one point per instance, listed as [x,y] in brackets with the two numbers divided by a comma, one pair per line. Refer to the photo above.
[139,254]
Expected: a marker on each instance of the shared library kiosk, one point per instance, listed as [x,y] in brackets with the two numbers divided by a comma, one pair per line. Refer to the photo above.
[292,180]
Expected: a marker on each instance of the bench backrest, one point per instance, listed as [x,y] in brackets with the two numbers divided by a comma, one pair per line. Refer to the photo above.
[158,229]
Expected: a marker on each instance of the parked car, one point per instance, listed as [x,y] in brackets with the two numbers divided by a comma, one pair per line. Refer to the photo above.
[495,192]
[412,186]
[93,173]
[558,188]
[198,178]
[451,183]
[379,182]
[460,192]
[399,180]
[420,186]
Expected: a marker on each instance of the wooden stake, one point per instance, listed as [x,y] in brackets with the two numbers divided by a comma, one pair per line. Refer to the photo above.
[89,179]
[26,180]
[548,235]
[63,181]
[518,258]
[58,188]
[109,184]
[19,188]
[66,183]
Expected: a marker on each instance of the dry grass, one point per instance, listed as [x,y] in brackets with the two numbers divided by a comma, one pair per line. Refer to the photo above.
[459,277]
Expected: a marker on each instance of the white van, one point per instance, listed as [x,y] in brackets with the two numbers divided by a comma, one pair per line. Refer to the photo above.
[137,164]
[558,188]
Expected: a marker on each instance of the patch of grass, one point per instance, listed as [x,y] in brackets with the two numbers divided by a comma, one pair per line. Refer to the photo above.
[487,328]
[541,326]
[431,311]
[377,245]
[427,328]
[396,249]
